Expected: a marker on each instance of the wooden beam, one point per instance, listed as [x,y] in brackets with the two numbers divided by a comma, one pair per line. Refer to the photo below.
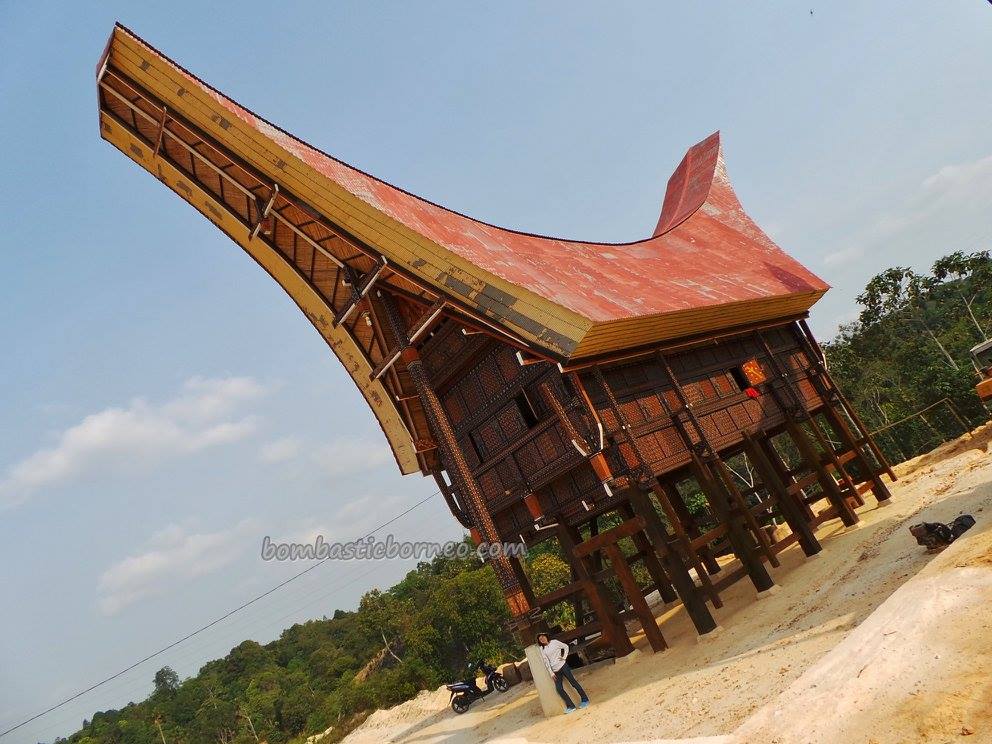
[609,619]
[598,542]
[633,592]
[675,569]
[790,510]
[359,290]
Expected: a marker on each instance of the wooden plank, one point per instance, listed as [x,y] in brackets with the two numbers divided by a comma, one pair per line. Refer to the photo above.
[583,631]
[558,595]
[600,541]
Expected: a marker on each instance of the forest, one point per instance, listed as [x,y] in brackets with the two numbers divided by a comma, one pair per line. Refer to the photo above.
[907,351]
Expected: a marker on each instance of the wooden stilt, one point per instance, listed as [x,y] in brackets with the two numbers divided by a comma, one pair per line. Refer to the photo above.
[849,486]
[813,353]
[741,540]
[675,569]
[683,541]
[793,516]
[609,619]
[633,592]
[691,525]
[830,488]
[768,447]
[844,433]
[651,562]
[724,476]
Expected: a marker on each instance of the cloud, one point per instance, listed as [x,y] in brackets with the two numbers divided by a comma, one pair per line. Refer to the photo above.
[138,436]
[954,195]
[346,456]
[173,557]
[280,450]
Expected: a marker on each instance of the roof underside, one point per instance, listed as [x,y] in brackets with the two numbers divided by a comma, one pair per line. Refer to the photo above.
[326,231]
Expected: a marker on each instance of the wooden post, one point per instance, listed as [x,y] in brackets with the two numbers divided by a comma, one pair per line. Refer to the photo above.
[724,476]
[675,569]
[768,448]
[683,541]
[843,431]
[633,592]
[609,619]
[741,540]
[691,525]
[793,516]
[651,562]
[828,449]
[456,464]
[814,355]
[719,492]
[830,488]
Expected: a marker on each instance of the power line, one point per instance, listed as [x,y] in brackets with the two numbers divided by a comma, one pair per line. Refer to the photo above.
[209,625]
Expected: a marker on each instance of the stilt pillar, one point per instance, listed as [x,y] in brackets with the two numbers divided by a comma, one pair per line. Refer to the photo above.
[830,488]
[675,568]
[741,540]
[793,516]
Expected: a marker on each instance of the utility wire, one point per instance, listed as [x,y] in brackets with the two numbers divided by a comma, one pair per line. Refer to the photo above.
[209,625]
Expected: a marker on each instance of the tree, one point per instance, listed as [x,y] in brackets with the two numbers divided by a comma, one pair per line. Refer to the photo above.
[968,275]
[166,682]
[900,293]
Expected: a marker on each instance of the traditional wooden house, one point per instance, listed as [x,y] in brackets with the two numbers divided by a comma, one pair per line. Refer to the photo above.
[544,383]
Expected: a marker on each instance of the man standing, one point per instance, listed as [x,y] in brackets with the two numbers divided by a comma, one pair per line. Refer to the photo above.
[555,655]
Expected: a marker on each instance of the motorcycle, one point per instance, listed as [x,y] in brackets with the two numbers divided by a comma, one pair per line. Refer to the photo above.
[466,692]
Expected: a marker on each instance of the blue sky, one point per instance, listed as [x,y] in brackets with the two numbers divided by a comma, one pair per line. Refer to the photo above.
[165,405]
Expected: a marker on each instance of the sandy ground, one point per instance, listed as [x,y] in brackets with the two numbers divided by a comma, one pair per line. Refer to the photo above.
[874,641]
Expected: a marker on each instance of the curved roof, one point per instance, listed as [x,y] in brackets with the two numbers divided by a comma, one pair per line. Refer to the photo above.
[707,265]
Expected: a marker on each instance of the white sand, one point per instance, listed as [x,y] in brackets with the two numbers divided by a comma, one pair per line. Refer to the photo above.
[875,641]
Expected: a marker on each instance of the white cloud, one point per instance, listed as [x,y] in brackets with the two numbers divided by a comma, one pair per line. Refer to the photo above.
[954,195]
[138,436]
[280,450]
[173,557]
[346,456]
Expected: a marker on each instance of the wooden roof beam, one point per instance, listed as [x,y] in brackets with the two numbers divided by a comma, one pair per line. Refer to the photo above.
[360,289]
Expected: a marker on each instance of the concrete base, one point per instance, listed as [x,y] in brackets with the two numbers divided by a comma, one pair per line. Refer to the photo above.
[707,637]
[551,704]
[884,502]
[814,556]
[774,589]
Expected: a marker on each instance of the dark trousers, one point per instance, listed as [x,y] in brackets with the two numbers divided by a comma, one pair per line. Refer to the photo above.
[560,676]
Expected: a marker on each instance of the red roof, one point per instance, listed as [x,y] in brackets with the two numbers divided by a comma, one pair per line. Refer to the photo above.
[707,265]
[705,249]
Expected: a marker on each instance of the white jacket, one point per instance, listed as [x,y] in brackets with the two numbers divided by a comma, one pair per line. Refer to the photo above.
[554,654]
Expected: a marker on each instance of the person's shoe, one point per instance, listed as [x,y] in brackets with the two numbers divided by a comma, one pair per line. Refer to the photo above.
[569,710]
[584,704]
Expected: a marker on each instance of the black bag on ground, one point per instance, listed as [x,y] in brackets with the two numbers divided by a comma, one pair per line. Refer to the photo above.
[934,535]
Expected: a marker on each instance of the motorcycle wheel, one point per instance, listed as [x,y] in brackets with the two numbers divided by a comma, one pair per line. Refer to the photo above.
[460,703]
[500,684]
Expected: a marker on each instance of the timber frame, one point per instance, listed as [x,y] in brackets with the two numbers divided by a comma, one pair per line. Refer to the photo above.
[634,446]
